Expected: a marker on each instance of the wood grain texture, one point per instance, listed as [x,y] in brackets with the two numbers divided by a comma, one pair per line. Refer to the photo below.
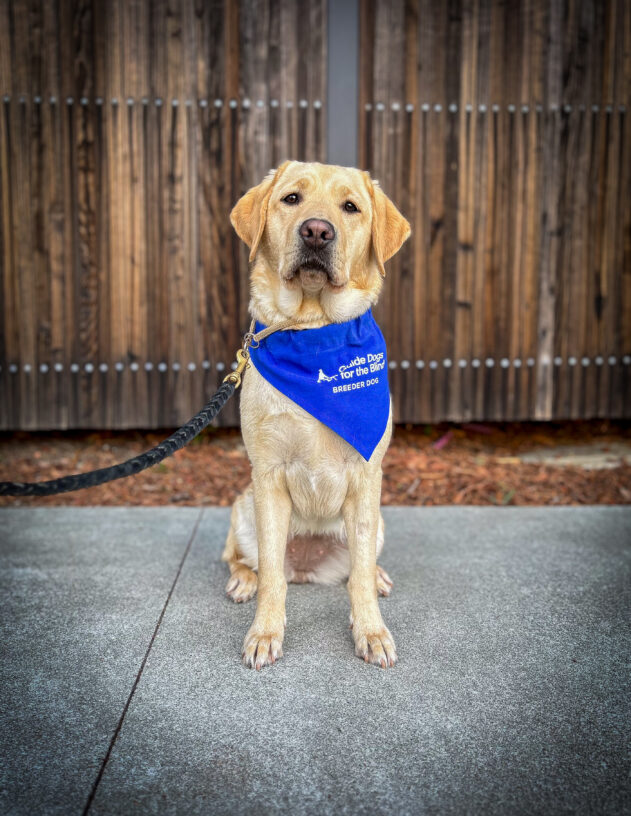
[129,129]
[125,139]
[516,183]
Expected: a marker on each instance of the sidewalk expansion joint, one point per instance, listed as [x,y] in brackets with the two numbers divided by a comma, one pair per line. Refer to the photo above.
[119,726]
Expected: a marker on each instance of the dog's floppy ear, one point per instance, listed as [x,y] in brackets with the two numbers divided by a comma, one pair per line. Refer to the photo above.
[389,228]
[249,214]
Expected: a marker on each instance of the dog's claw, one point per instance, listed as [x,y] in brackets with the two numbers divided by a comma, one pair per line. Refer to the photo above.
[260,650]
[377,648]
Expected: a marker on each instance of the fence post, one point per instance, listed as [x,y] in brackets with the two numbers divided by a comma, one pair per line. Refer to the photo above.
[342,81]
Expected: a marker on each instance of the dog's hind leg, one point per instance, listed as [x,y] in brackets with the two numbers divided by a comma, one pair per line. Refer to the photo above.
[243,580]
[335,566]
[384,581]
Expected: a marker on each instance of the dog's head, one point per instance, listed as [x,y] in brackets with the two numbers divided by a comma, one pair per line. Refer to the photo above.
[319,236]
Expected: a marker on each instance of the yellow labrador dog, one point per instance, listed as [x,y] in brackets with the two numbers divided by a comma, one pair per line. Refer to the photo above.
[319,236]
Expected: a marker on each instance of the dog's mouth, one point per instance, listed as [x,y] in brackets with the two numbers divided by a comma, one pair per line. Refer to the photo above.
[313,271]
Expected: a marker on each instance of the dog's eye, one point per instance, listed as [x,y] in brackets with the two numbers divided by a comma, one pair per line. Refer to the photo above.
[292,198]
[350,207]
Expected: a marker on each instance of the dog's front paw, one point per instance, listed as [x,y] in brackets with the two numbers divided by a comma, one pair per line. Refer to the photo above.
[242,584]
[261,648]
[374,644]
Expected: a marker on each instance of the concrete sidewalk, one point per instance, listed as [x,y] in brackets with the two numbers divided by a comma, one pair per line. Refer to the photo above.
[123,691]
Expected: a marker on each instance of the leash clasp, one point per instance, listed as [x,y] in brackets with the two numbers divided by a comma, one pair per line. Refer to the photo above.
[249,340]
[243,360]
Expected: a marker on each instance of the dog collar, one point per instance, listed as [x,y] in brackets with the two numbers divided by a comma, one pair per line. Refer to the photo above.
[337,373]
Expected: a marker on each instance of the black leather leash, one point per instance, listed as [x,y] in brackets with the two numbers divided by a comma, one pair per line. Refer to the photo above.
[179,439]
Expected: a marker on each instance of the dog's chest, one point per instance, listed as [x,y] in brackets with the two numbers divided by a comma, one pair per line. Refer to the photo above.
[318,464]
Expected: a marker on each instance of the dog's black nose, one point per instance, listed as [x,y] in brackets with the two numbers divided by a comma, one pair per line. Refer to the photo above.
[316,233]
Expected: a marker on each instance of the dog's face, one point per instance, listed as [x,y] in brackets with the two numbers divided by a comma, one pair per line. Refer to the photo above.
[319,236]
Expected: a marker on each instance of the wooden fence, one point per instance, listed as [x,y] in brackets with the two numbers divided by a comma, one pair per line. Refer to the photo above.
[128,130]
[505,125]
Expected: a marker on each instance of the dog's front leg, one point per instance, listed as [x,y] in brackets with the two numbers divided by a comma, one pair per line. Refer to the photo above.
[272,508]
[373,641]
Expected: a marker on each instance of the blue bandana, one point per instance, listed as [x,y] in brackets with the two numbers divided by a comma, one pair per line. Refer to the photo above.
[338,374]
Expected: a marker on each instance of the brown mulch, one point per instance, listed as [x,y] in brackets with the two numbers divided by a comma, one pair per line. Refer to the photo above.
[425,465]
